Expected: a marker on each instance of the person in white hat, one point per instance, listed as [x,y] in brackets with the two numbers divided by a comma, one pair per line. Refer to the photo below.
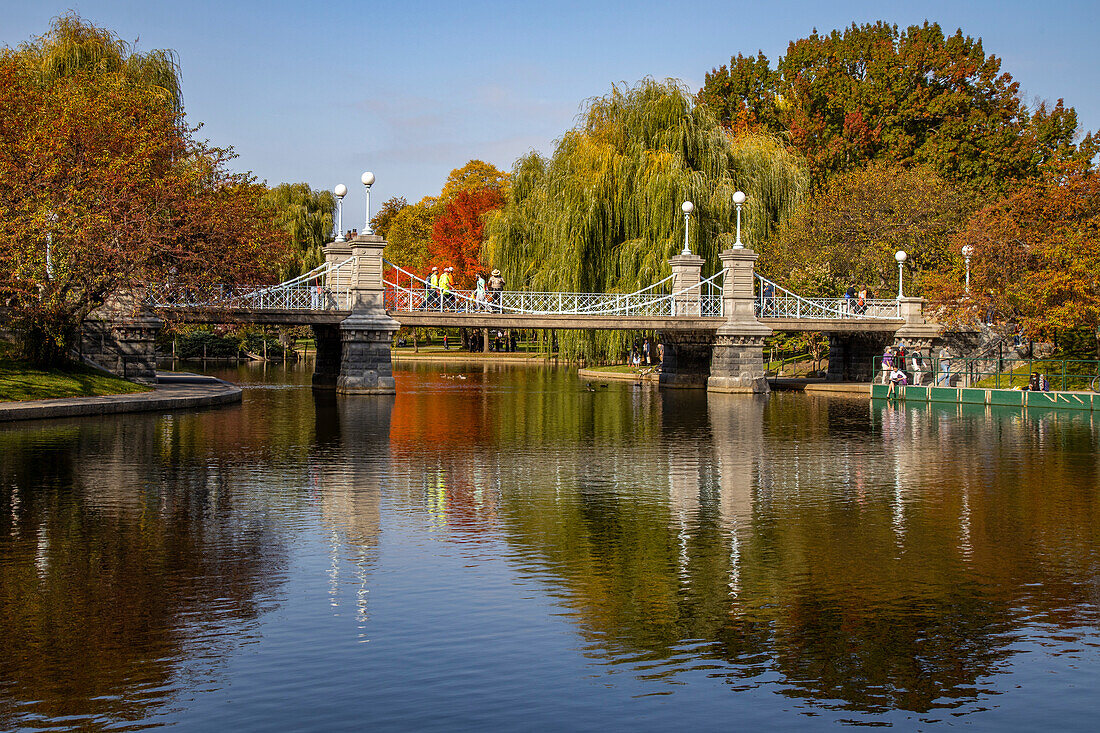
[496,286]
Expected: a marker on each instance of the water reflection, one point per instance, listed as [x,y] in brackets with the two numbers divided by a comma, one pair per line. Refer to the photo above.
[126,566]
[865,558]
[857,559]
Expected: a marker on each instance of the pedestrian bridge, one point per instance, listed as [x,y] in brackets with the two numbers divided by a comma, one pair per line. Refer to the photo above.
[712,329]
[325,295]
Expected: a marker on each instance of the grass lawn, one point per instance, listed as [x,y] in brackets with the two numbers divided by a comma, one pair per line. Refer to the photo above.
[19,381]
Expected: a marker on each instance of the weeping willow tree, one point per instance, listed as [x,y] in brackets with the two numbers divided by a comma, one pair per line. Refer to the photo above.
[72,46]
[603,214]
[307,216]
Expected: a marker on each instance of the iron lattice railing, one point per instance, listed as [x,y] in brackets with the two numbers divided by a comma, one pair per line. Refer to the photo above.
[419,297]
[774,301]
[325,288]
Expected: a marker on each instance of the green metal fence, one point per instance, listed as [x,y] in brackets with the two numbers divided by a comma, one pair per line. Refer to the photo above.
[999,373]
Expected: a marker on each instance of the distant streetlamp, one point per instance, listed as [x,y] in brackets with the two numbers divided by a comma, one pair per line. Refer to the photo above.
[900,256]
[967,251]
[368,180]
[739,198]
[341,191]
[687,207]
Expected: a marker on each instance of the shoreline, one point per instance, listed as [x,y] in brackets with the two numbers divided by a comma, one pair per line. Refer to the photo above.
[173,392]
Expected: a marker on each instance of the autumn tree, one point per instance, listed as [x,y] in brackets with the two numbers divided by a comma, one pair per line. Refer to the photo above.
[458,234]
[381,222]
[1035,258]
[408,229]
[911,97]
[306,216]
[410,233]
[476,175]
[103,189]
[847,233]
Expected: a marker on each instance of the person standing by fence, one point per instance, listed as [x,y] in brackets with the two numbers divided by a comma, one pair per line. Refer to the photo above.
[945,367]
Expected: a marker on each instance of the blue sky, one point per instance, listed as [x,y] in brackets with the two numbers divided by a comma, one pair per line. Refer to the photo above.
[319,92]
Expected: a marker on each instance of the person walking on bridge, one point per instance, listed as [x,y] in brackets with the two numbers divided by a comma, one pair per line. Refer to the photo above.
[433,288]
[445,281]
[496,287]
[479,294]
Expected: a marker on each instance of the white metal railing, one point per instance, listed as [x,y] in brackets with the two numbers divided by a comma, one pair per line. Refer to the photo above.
[774,301]
[420,297]
[324,288]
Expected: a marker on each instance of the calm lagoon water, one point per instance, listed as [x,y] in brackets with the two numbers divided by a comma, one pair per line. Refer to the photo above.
[509,549]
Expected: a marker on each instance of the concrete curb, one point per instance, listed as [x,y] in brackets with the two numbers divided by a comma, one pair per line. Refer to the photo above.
[174,392]
[819,386]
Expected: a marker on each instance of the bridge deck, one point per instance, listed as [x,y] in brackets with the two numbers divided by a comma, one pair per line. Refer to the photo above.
[420,319]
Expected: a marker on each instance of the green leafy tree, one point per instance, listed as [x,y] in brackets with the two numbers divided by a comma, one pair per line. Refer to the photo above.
[849,231]
[603,214]
[73,47]
[913,97]
[306,216]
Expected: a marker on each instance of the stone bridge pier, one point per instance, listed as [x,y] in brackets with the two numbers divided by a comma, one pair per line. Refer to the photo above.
[854,355]
[354,357]
[121,337]
[732,359]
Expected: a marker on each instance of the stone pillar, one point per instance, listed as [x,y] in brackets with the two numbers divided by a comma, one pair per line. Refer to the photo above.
[686,272]
[336,253]
[121,337]
[917,333]
[365,335]
[326,367]
[737,364]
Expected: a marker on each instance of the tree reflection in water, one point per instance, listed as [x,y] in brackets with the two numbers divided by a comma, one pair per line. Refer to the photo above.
[126,565]
[873,562]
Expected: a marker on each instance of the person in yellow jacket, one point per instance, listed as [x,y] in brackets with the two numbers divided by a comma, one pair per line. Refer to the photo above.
[433,288]
[445,281]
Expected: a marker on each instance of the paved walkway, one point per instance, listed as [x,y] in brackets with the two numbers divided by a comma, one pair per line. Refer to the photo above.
[173,392]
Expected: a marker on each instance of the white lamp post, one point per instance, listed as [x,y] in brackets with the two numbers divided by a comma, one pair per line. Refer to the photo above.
[967,251]
[367,179]
[341,191]
[739,198]
[687,207]
[900,256]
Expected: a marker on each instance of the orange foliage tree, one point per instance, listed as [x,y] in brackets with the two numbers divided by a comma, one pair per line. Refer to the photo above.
[1035,258]
[459,232]
[106,175]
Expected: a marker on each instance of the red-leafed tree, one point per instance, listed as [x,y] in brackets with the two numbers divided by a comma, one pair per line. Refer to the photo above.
[103,189]
[459,232]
